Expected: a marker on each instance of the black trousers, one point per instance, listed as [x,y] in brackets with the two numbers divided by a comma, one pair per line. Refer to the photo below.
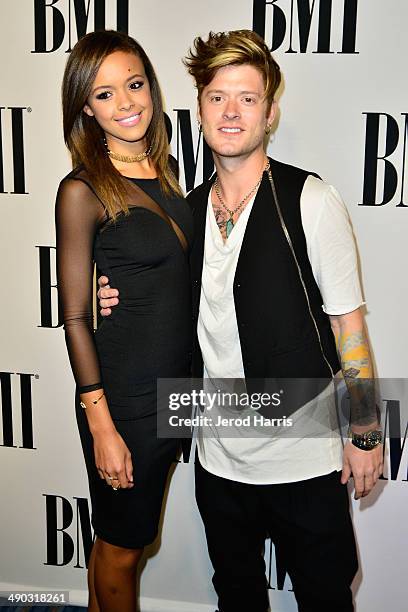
[310,525]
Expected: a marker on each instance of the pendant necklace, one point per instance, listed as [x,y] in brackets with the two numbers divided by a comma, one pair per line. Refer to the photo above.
[230,222]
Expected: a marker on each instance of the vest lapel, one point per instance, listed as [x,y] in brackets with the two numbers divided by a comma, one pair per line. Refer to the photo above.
[261,210]
[198,202]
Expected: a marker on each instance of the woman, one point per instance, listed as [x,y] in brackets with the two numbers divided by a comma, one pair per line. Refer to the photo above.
[122,208]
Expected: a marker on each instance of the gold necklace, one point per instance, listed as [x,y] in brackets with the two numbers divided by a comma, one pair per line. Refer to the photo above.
[129,159]
[230,222]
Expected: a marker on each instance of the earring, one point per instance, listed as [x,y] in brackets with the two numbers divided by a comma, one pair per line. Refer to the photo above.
[199,125]
[268,128]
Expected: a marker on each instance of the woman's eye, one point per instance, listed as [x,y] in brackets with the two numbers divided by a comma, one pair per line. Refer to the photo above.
[103,96]
[136,85]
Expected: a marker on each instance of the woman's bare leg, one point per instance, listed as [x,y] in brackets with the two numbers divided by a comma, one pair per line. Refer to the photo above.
[93,605]
[114,577]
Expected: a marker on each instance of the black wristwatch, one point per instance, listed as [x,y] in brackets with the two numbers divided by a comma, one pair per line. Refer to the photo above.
[367,440]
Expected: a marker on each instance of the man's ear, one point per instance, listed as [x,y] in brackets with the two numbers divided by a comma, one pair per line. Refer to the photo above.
[272,113]
[87,109]
[198,112]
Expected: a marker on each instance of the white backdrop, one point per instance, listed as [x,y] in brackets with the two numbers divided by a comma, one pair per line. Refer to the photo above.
[339,111]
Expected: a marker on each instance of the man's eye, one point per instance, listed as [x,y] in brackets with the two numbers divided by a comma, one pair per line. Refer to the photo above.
[216,99]
[103,96]
[249,100]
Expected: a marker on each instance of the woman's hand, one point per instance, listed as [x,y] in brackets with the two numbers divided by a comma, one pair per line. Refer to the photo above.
[113,459]
[112,456]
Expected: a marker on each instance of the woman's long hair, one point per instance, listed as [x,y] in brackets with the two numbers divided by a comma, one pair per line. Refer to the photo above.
[83,135]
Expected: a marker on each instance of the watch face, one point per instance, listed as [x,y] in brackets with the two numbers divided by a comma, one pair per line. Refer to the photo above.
[368,440]
[374,437]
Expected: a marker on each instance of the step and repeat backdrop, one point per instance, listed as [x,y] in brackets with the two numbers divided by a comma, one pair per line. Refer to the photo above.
[343,114]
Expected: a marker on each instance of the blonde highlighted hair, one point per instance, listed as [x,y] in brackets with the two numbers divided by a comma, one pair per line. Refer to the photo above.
[232,48]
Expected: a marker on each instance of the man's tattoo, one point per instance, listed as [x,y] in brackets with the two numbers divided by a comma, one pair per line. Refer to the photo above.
[354,353]
[356,364]
[354,340]
[357,371]
[351,373]
[220,216]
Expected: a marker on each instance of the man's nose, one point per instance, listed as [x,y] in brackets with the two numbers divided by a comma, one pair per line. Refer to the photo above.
[231,110]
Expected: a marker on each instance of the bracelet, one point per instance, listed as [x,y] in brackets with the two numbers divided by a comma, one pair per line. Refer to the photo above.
[93,401]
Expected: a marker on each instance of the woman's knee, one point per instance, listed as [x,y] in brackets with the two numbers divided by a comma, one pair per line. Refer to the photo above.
[121,558]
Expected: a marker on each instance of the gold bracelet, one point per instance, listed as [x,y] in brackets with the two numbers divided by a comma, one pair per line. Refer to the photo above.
[93,401]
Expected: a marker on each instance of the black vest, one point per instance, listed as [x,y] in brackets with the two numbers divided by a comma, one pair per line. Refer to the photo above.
[277,334]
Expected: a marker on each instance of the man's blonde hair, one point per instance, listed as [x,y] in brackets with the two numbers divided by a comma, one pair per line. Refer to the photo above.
[232,48]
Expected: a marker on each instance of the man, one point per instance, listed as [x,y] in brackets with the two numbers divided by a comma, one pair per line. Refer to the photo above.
[273,245]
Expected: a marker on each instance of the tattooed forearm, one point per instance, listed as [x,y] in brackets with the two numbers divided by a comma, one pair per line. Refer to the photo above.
[354,367]
[356,363]
[354,353]
[347,342]
[351,372]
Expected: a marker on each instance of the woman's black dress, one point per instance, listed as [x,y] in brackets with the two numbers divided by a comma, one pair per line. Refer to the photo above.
[147,336]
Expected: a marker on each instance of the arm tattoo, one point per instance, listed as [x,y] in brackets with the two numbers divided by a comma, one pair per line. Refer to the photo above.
[357,370]
[354,354]
[351,373]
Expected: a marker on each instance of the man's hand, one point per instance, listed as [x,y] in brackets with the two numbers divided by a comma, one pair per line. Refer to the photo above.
[107,297]
[365,466]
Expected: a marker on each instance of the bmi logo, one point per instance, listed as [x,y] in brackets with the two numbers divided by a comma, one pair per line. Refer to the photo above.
[11,409]
[12,122]
[186,154]
[385,159]
[68,531]
[50,314]
[59,22]
[396,447]
[300,26]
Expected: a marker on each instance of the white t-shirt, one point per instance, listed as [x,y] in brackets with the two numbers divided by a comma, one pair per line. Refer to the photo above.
[332,254]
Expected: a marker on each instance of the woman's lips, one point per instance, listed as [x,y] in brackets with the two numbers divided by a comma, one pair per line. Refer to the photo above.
[130,121]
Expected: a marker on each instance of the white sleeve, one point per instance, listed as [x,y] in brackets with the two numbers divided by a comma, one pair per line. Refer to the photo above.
[331,247]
